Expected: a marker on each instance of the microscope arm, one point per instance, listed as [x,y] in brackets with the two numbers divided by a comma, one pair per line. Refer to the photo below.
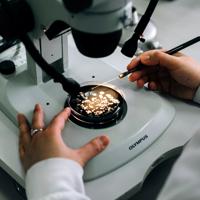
[69,85]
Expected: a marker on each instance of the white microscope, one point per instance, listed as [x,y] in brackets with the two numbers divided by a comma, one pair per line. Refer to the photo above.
[137,126]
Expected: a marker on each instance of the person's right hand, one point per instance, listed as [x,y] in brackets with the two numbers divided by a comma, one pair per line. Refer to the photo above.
[178,75]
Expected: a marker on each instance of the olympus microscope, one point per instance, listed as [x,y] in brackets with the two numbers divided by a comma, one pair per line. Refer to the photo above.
[140,125]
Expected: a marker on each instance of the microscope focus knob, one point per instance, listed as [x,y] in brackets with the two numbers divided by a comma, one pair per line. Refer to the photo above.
[7,67]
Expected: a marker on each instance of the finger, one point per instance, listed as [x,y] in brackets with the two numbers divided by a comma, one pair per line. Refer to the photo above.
[141,82]
[160,85]
[38,117]
[24,129]
[93,148]
[58,123]
[153,78]
[139,74]
[156,57]
[153,86]
[134,62]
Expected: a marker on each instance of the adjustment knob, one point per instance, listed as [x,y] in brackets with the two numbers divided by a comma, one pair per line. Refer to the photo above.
[7,67]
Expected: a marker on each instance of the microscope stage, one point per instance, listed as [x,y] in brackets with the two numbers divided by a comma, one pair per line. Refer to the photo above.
[148,115]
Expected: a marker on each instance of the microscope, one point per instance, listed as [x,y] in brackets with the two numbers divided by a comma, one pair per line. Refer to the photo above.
[74,43]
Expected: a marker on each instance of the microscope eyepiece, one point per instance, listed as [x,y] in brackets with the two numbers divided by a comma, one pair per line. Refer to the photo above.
[96,45]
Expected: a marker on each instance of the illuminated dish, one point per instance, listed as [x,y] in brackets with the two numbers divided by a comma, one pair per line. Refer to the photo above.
[97,106]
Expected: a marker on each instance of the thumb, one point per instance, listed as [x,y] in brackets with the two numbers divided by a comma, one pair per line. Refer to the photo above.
[93,148]
[156,57]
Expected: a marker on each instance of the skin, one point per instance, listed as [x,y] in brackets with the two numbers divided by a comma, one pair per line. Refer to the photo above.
[49,142]
[177,75]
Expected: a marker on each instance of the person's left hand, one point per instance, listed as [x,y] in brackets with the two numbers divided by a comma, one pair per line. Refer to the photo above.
[48,143]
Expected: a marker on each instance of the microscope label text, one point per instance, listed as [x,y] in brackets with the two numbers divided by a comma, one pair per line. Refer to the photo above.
[138,142]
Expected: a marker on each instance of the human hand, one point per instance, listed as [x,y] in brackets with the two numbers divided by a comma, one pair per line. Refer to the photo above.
[178,75]
[48,143]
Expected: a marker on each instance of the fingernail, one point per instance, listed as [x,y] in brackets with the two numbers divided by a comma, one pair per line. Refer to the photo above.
[104,140]
[130,78]
[67,109]
[37,107]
